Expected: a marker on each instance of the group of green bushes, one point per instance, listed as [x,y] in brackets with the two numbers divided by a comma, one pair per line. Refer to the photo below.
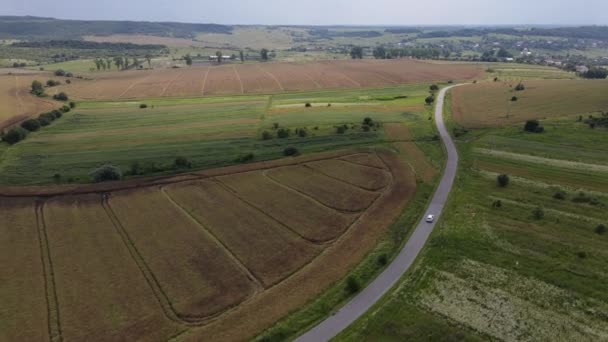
[283,133]
[596,121]
[16,134]
[37,88]
[533,126]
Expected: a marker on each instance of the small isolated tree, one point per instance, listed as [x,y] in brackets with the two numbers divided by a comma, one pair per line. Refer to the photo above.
[291,151]
[307,105]
[241,56]
[266,135]
[60,72]
[52,83]
[519,87]
[429,99]
[538,213]
[581,254]
[143,105]
[264,54]
[356,52]
[149,60]
[600,229]
[497,204]
[181,162]
[31,125]
[72,104]
[514,98]
[368,121]
[188,59]
[283,133]
[37,88]
[502,180]
[533,126]
[14,135]
[341,129]
[302,132]
[382,259]
[61,96]
[560,195]
[218,54]
[352,284]
[106,173]
[434,87]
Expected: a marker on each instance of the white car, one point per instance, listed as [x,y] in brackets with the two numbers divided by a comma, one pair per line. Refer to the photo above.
[430,218]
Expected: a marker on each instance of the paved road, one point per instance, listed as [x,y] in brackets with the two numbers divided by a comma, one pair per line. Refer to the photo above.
[333,325]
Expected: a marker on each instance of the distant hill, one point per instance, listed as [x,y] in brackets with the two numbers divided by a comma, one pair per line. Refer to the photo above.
[39,28]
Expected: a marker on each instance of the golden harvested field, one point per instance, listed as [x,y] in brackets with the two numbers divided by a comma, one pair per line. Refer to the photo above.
[220,253]
[489,104]
[358,174]
[16,102]
[264,78]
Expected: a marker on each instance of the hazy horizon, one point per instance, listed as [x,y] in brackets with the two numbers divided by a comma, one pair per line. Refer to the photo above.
[324,13]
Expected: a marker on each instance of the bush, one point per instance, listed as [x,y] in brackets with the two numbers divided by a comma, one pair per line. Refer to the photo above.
[72,104]
[497,204]
[37,88]
[31,125]
[302,132]
[61,96]
[450,82]
[365,128]
[59,72]
[341,129]
[64,109]
[283,133]
[106,173]
[307,105]
[266,135]
[514,98]
[560,195]
[600,229]
[44,121]
[69,74]
[352,285]
[182,162]
[143,105]
[52,83]
[291,151]
[68,82]
[368,121]
[14,135]
[275,125]
[538,213]
[519,87]
[135,169]
[581,255]
[245,158]
[429,100]
[434,87]
[533,126]
[382,260]
[503,180]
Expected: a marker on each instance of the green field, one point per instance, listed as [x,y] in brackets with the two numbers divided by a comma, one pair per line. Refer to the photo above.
[502,272]
[210,132]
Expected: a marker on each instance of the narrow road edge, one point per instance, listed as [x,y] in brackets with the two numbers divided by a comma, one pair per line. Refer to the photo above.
[363,301]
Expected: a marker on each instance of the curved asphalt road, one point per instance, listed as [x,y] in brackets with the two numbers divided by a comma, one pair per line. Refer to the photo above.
[354,309]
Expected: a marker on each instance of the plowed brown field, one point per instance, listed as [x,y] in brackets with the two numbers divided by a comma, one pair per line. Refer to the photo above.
[16,102]
[264,78]
[218,254]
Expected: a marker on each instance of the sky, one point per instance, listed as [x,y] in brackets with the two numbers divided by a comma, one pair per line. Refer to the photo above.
[323,12]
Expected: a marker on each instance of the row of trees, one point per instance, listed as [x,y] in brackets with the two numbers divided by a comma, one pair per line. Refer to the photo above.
[380,52]
[121,63]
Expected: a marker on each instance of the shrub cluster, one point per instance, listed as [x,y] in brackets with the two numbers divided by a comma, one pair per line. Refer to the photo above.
[106,173]
[502,180]
[16,134]
[533,126]
[520,86]
[291,151]
[61,96]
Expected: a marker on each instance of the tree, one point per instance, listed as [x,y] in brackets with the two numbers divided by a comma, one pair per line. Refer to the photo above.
[241,56]
[600,229]
[514,98]
[97,62]
[149,60]
[61,96]
[519,87]
[126,63]
[429,99]
[368,121]
[14,135]
[109,63]
[502,180]
[59,72]
[182,162]
[37,88]
[188,60]
[105,173]
[31,125]
[502,53]
[596,73]
[379,52]
[291,151]
[283,133]
[118,62]
[136,62]
[434,87]
[533,126]
[264,54]
[356,52]
[538,213]
[218,54]
[352,284]
[266,135]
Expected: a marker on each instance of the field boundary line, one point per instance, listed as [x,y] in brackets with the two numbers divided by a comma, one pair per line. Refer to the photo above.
[252,277]
[238,77]
[170,83]
[134,84]
[254,207]
[359,164]
[205,80]
[149,276]
[50,287]
[345,181]
[349,79]
[341,211]
[312,80]
[268,73]
[385,78]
